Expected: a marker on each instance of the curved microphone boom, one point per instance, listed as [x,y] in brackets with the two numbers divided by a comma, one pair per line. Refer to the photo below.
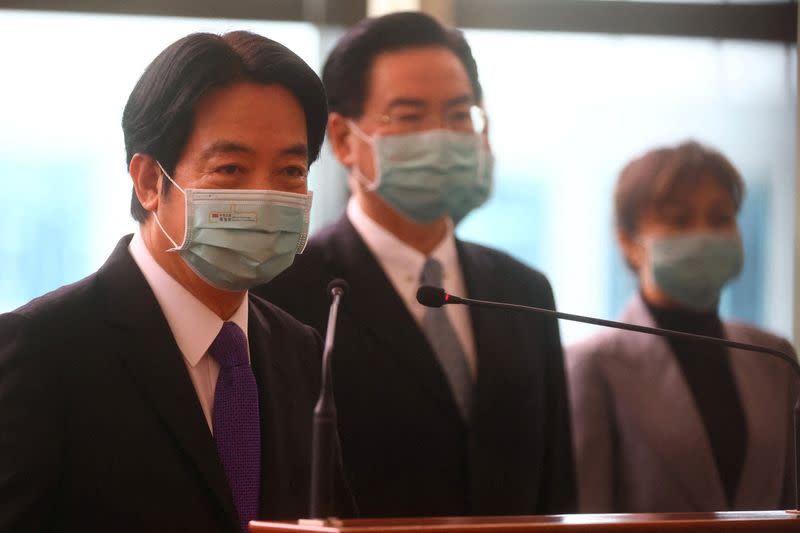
[437,297]
[323,443]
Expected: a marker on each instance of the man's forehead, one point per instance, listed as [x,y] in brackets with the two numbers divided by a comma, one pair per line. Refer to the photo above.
[417,75]
[416,63]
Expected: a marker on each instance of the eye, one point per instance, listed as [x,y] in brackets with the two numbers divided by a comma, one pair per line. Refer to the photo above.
[296,171]
[460,121]
[459,116]
[407,117]
[722,219]
[676,218]
[682,220]
[229,169]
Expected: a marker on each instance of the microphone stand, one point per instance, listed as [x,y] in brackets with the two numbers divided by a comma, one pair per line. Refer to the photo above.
[323,443]
[450,299]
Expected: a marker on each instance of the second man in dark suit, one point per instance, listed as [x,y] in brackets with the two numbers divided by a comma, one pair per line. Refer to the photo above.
[442,411]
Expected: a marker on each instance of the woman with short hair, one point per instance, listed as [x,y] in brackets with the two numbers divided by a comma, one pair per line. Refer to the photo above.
[664,424]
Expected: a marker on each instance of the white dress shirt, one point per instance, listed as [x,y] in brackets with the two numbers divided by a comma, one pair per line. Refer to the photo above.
[193,325]
[403,266]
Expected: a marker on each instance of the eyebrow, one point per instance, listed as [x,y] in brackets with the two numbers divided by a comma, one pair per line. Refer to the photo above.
[458,100]
[400,102]
[299,149]
[232,147]
[417,102]
[226,147]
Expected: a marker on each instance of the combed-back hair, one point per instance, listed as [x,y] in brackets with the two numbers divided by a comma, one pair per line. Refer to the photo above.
[346,71]
[159,116]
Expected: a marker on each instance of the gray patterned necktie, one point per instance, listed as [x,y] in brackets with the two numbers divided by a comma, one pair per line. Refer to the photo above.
[442,337]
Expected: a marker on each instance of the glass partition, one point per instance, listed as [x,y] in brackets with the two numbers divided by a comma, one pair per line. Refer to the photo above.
[64,186]
[571,109]
[563,121]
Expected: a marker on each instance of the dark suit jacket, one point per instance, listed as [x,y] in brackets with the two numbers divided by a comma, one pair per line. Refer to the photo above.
[101,428]
[406,450]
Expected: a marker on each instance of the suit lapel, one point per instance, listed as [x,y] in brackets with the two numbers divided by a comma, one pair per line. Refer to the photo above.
[497,471]
[490,329]
[150,353]
[274,402]
[661,405]
[476,283]
[765,410]
[375,306]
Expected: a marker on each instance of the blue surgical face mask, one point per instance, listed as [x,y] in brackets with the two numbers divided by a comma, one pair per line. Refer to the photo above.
[428,174]
[692,269]
[237,239]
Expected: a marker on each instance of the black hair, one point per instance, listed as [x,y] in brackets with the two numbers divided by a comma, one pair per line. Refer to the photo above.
[159,116]
[346,70]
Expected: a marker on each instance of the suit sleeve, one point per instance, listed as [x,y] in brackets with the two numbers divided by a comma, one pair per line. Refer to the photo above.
[592,430]
[557,495]
[31,427]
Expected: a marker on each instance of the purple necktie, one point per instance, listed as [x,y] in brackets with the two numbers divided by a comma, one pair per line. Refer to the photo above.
[236,423]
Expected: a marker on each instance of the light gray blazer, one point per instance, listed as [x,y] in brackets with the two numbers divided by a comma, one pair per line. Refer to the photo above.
[640,443]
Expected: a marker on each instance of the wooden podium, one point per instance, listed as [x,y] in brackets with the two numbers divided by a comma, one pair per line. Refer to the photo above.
[756,521]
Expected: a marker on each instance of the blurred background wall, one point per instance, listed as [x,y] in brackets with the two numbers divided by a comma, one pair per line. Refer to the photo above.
[573,88]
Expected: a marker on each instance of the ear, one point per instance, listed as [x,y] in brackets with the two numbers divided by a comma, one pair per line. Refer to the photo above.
[632,250]
[146,175]
[340,137]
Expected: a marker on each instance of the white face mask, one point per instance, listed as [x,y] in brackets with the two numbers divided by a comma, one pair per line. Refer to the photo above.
[427,174]
[236,239]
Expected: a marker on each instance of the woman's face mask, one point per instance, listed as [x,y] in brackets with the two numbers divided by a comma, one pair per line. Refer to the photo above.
[425,175]
[692,268]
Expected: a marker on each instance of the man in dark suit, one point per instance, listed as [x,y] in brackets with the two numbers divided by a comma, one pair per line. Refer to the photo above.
[157,394]
[453,411]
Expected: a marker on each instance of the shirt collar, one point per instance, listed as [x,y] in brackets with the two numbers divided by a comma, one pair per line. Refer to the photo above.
[395,254]
[193,325]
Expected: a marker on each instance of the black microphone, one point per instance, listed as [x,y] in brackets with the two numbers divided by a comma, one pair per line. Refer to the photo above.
[323,443]
[437,297]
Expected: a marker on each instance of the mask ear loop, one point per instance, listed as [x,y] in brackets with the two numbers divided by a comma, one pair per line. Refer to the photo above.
[355,171]
[175,246]
[301,244]
[483,157]
[485,154]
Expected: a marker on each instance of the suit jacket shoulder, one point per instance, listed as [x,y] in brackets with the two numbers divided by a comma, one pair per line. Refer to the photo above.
[60,313]
[614,347]
[504,274]
[288,335]
[757,335]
